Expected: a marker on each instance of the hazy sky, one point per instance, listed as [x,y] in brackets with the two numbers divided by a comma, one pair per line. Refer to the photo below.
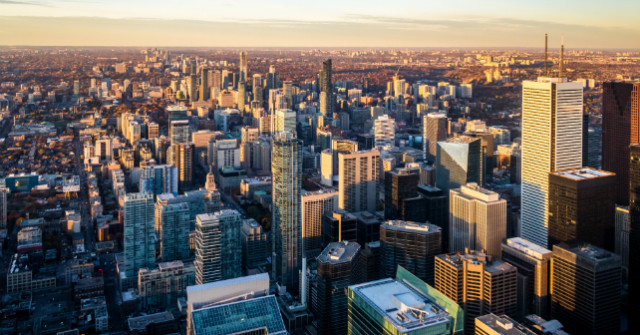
[321,23]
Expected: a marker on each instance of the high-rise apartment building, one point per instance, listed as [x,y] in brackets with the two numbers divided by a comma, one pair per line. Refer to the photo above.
[172,229]
[315,205]
[338,267]
[139,234]
[243,66]
[458,161]
[412,245]
[158,179]
[477,219]
[358,179]
[3,207]
[384,131]
[478,282]
[284,120]
[533,263]
[218,246]
[582,207]
[326,87]
[585,289]
[620,128]
[179,131]
[254,244]
[551,140]
[181,156]
[161,287]
[204,84]
[286,170]
[434,130]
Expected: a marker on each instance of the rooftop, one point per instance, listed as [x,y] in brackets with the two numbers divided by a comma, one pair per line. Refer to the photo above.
[240,317]
[528,247]
[410,226]
[583,173]
[503,325]
[141,322]
[491,264]
[339,252]
[401,305]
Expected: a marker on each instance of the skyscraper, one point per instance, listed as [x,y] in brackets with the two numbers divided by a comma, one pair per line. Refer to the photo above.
[384,131]
[582,207]
[358,179]
[3,207]
[412,245]
[179,132]
[326,86]
[315,205]
[172,229]
[181,156]
[243,66]
[139,234]
[634,235]
[241,97]
[434,130]
[477,219]
[585,289]
[218,246]
[338,267]
[620,128]
[458,161]
[204,84]
[533,263]
[401,197]
[284,120]
[478,282]
[286,170]
[551,140]
[339,225]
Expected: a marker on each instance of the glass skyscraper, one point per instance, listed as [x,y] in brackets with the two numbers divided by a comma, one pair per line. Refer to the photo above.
[139,234]
[286,169]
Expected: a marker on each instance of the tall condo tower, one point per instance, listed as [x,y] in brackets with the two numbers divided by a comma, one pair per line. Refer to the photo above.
[286,169]
[243,66]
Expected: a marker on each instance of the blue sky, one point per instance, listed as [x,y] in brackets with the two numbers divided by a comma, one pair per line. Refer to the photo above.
[398,23]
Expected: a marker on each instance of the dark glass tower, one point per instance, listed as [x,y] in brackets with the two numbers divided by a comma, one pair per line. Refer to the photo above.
[620,128]
[634,237]
[582,207]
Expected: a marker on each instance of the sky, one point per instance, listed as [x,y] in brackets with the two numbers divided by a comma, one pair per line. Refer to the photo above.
[321,23]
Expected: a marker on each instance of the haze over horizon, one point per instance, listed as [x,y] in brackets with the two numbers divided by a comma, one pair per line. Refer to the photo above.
[331,23]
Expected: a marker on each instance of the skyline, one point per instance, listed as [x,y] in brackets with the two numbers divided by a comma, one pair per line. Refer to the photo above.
[285,23]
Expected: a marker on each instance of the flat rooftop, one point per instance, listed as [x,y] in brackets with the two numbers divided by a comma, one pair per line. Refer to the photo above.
[339,252]
[141,322]
[583,173]
[410,226]
[528,247]
[492,264]
[503,325]
[401,305]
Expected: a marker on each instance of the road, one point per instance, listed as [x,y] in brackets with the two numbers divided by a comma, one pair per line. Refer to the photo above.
[83,198]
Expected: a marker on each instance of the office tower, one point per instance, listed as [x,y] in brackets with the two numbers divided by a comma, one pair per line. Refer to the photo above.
[533,263]
[585,289]
[76,87]
[158,179]
[243,67]
[434,130]
[179,132]
[622,237]
[3,207]
[172,229]
[286,170]
[225,153]
[477,219]
[139,234]
[181,156]
[218,246]
[458,161]
[582,207]
[249,134]
[437,210]
[204,84]
[368,227]
[339,226]
[551,140]
[314,206]
[258,89]
[192,87]
[284,120]
[634,235]
[401,197]
[384,131]
[326,87]
[338,267]
[620,117]
[478,282]
[412,245]
[358,179]
[254,244]
[405,305]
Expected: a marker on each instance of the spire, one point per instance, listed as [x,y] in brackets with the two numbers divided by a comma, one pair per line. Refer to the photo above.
[210,185]
[561,71]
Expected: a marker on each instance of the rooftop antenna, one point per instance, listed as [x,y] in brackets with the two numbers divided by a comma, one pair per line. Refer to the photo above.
[561,72]
[546,54]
